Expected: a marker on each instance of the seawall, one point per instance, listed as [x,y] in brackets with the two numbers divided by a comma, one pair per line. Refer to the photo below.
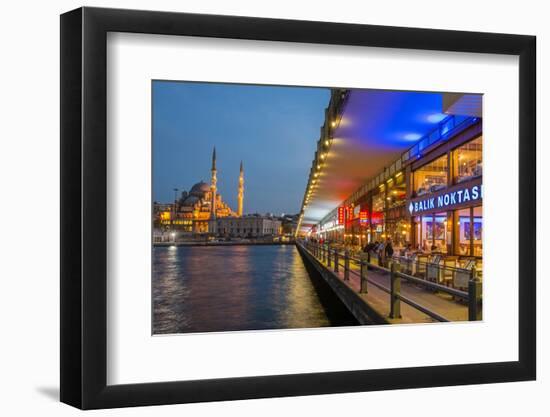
[358,307]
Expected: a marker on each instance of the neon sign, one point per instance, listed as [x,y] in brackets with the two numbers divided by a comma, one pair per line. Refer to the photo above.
[446,199]
[349,213]
[341,215]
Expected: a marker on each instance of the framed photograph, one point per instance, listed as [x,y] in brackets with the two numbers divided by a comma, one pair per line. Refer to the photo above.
[256,208]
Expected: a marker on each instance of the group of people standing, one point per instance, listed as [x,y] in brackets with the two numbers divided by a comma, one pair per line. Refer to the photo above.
[383,250]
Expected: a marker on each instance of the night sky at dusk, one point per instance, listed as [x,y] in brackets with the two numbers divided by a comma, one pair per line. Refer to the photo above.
[273,130]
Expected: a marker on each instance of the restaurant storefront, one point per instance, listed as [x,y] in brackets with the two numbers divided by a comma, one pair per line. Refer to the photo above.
[429,201]
[449,221]
[379,215]
[356,224]
[445,204]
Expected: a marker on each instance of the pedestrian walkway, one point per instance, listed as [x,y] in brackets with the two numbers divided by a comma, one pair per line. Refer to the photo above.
[378,297]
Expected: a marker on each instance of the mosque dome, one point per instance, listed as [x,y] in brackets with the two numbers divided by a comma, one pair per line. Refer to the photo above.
[190,201]
[199,189]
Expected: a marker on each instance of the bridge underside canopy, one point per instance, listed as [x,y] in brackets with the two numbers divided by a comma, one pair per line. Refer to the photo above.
[377,126]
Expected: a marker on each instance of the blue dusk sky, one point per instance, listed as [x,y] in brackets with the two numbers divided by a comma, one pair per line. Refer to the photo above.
[273,130]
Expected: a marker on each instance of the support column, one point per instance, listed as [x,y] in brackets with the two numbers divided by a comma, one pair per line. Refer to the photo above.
[395,302]
[346,265]
[363,278]
[474,297]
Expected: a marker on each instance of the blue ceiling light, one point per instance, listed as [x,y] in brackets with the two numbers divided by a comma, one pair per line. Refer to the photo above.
[391,120]
[412,136]
[436,117]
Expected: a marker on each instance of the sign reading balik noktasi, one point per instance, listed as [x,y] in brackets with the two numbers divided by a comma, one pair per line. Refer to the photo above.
[447,199]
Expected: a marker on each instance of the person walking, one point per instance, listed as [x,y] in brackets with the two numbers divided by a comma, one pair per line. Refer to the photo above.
[388,250]
[381,252]
[369,247]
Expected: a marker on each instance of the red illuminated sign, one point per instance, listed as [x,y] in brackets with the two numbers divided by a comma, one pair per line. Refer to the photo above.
[363,216]
[377,217]
[341,215]
[349,213]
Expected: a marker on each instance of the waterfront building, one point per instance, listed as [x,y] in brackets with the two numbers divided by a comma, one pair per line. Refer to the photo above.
[251,226]
[427,193]
[195,212]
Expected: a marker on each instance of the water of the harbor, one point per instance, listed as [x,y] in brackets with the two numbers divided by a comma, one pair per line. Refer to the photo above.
[228,288]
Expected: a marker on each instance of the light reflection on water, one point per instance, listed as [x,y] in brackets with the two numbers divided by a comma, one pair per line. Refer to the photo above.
[224,288]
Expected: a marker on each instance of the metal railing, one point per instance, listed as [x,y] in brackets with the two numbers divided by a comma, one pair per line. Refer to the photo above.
[335,258]
[440,271]
[445,129]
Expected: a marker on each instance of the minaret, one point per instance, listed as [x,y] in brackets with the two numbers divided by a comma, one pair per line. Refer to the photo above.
[241,192]
[213,182]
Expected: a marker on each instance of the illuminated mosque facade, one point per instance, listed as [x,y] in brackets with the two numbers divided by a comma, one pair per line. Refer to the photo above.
[197,211]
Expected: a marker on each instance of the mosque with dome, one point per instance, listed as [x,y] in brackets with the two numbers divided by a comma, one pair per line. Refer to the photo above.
[196,211]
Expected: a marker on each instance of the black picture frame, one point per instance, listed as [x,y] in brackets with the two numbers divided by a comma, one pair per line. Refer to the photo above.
[84,207]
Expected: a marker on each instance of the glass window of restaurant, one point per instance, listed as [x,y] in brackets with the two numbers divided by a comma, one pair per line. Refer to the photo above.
[469,227]
[356,232]
[432,232]
[397,226]
[397,191]
[456,232]
[399,232]
[431,177]
[377,217]
[469,160]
